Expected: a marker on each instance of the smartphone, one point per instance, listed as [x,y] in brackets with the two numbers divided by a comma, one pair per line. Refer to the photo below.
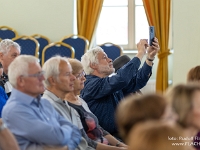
[151,35]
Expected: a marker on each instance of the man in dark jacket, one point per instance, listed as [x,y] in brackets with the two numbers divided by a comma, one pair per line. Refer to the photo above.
[104,91]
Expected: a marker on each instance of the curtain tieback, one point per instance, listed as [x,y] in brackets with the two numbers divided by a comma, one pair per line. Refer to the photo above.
[163,54]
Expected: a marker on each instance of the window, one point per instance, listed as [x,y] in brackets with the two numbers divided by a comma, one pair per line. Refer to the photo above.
[122,22]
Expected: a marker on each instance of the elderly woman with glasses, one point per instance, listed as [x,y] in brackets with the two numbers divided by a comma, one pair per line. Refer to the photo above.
[88,119]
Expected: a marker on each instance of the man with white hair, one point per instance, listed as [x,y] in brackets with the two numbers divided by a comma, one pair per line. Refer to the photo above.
[103,92]
[9,50]
[32,119]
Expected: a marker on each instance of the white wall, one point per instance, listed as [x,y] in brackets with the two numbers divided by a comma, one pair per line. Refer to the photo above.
[52,18]
[186,37]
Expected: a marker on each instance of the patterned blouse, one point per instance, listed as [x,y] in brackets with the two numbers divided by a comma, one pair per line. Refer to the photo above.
[90,124]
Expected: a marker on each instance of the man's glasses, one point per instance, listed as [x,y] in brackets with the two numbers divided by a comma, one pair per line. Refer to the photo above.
[80,75]
[36,75]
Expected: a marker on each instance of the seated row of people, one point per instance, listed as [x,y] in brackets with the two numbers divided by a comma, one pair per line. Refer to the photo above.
[32,119]
[63,78]
[101,68]
[179,105]
[60,119]
[141,133]
[26,77]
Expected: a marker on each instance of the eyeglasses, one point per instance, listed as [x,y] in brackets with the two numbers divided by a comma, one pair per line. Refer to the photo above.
[36,75]
[80,75]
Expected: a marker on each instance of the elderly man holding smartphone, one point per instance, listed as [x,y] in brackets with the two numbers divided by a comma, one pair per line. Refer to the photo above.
[103,92]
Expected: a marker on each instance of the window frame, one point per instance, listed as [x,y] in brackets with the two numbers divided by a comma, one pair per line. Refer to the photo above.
[132,45]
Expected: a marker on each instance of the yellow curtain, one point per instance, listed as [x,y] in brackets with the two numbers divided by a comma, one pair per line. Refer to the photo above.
[88,12]
[158,15]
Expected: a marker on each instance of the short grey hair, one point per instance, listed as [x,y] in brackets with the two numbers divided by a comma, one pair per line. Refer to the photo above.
[6,44]
[90,57]
[20,66]
[51,68]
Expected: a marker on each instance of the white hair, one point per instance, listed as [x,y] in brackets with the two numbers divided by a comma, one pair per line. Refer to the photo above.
[6,44]
[51,68]
[90,57]
[20,66]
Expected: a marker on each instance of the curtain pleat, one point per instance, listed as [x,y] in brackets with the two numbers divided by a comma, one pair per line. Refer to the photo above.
[88,12]
[158,15]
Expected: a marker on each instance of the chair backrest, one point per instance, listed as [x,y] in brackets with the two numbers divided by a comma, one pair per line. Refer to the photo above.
[7,32]
[79,43]
[29,45]
[43,41]
[57,48]
[112,50]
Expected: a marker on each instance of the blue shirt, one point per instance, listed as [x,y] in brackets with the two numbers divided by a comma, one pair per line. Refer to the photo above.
[35,121]
[3,99]
[103,94]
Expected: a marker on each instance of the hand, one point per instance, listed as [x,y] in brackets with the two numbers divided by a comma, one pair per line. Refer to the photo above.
[141,46]
[153,50]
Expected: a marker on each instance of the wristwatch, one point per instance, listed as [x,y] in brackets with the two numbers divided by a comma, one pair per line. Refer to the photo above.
[150,59]
[3,126]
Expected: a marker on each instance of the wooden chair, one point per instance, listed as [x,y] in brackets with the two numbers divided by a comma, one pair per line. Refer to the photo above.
[79,43]
[57,48]
[112,50]
[7,32]
[43,41]
[29,45]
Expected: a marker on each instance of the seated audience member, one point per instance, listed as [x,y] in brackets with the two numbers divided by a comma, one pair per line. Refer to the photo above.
[32,119]
[120,62]
[89,120]
[194,76]
[102,92]
[7,140]
[134,109]
[185,101]
[155,135]
[3,95]
[9,50]
[58,81]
